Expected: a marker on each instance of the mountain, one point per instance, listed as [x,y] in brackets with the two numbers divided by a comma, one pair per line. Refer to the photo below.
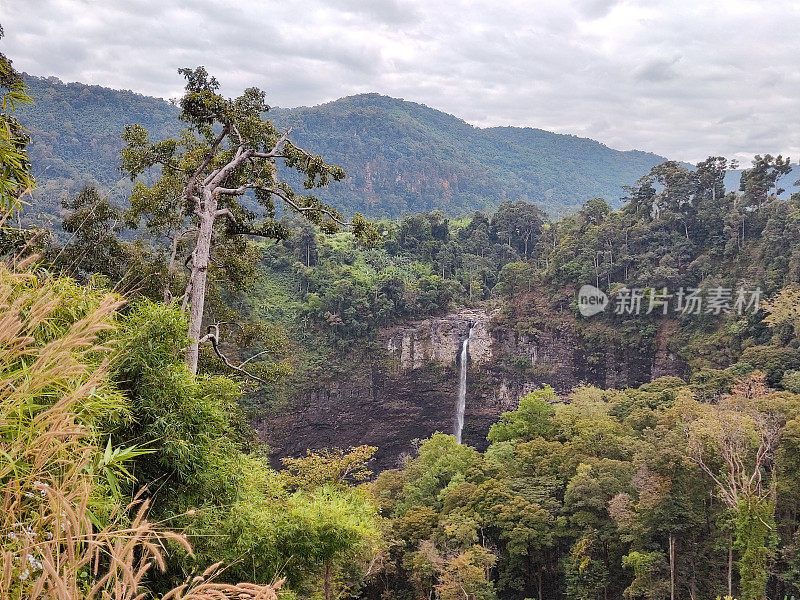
[399,156]
[75,131]
[406,157]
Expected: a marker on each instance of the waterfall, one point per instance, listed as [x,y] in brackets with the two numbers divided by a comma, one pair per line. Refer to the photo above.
[461,403]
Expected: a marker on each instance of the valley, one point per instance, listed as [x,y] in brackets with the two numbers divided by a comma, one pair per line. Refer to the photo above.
[433,361]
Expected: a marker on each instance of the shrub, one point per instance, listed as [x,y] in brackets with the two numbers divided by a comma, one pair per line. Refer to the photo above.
[67,536]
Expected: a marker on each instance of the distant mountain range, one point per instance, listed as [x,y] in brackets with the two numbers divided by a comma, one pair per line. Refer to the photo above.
[399,156]
[405,157]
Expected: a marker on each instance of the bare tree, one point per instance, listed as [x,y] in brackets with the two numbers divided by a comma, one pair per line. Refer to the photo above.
[734,443]
[229,151]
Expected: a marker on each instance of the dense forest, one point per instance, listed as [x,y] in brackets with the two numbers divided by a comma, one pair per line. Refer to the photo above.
[140,340]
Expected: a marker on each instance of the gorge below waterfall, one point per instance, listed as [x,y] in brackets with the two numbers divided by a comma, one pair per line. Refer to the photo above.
[461,402]
[413,382]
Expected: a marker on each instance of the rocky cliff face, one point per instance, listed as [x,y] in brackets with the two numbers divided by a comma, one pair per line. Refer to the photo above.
[438,340]
[374,406]
[407,389]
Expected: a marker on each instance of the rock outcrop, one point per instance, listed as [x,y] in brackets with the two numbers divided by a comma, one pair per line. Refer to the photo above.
[438,340]
[407,390]
[373,406]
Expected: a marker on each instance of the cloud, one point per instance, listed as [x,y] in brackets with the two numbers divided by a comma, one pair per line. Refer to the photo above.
[657,71]
[595,9]
[390,12]
[683,80]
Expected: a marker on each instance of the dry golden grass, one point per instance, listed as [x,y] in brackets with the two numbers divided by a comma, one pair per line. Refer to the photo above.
[51,544]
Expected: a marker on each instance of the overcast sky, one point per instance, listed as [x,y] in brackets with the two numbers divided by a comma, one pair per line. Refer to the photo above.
[685,79]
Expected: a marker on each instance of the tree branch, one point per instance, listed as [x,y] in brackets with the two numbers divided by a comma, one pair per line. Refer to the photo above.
[212,335]
[233,191]
[302,209]
[216,178]
[256,355]
[212,152]
[238,135]
[227,213]
[274,153]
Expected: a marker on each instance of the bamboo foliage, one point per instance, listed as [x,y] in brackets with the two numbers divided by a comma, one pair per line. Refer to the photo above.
[54,391]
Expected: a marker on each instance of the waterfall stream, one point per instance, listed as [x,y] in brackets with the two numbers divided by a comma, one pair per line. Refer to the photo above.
[461,403]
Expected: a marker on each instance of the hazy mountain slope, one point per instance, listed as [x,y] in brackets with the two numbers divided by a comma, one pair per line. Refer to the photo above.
[399,156]
[402,156]
[75,130]
[564,169]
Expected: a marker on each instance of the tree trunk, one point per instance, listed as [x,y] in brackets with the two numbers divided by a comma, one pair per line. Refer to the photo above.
[200,260]
[539,582]
[741,240]
[672,566]
[327,581]
[730,567]
[171,267]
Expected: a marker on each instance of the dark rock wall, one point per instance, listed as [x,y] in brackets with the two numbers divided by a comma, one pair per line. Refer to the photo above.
[374,407]
[407,391]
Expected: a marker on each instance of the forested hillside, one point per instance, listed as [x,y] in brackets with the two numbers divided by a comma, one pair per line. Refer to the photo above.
[156,360]
[406,157]
[76,138]
[398,156]
[654,489]
[586,493]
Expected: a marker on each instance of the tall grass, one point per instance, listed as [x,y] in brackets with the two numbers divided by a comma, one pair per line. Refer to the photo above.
[54,394]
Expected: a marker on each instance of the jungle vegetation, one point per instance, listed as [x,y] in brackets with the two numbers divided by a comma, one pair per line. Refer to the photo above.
[130,471]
